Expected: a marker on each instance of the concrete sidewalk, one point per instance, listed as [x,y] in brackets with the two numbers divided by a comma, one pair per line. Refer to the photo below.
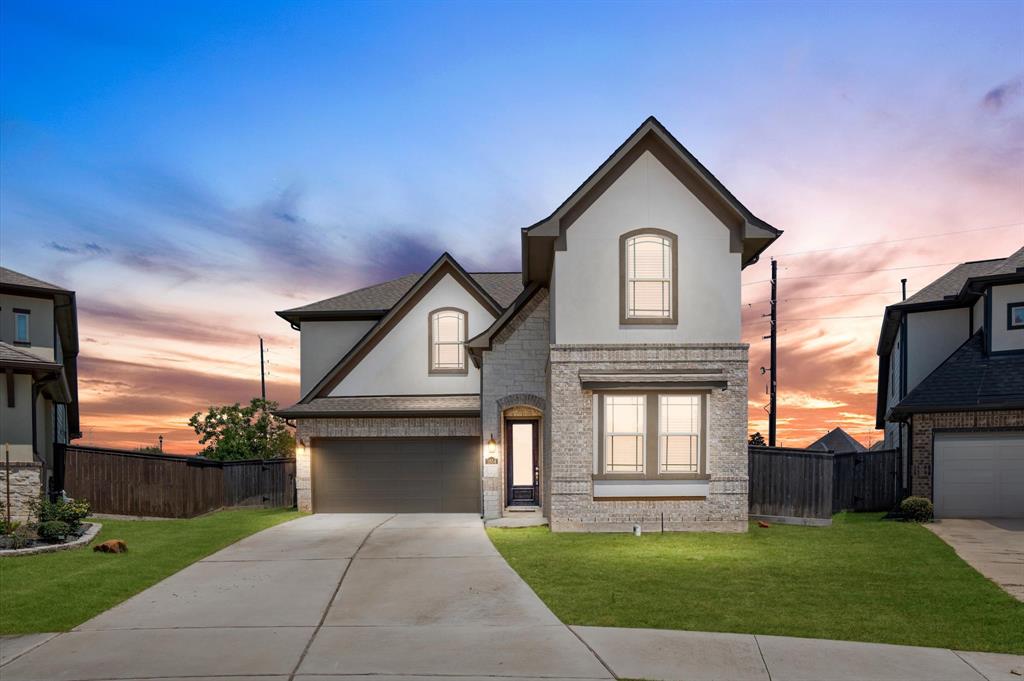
[658,655]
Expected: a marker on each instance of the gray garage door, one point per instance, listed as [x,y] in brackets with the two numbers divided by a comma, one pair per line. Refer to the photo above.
[979,475]
[400,475]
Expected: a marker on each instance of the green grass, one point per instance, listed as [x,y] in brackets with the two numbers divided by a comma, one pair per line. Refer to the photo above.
[862,579]
[58,591]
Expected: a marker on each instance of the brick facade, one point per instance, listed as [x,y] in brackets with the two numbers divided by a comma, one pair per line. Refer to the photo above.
[572,504]
[923,427]
[421,426]
[514,374]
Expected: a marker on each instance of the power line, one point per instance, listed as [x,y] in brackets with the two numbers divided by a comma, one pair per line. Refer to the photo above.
[843,274]
[838,295]
[900,240]
[812,319]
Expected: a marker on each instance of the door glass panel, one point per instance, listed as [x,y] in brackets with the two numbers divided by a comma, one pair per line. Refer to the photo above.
[522,454]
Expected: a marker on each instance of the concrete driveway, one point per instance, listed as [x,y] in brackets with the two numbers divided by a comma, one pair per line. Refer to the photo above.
[328,597]
[993,547]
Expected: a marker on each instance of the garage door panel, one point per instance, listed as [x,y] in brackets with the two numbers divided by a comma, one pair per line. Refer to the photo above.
[979,475]
[398,475]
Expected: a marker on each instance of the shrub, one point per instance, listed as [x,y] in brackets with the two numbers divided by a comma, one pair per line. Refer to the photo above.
[52,531]
[917,509]
[22,536]
[67,511]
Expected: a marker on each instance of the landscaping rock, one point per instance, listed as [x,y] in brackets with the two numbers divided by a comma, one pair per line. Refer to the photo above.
[111,546]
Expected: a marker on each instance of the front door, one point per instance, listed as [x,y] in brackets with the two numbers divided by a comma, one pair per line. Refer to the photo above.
[522,471]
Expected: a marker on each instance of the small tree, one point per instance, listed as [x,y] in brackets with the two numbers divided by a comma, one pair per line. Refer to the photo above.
[757,440]
[233,432]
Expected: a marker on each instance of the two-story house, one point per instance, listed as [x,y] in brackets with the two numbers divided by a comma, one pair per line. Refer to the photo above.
[951,389]
[39,386]
[603,385]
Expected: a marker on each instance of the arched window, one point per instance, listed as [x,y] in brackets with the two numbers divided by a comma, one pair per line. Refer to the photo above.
[647,263]
[448,341]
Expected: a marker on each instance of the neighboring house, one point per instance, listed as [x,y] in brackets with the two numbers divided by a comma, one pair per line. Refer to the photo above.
[838,441]
[39,387]
[951,388]
[604,385]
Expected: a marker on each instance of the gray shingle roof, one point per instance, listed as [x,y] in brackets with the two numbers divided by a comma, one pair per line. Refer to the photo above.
[969,379]
[8,276]
[396,405]
[502,286]
[952,283]
[837,440]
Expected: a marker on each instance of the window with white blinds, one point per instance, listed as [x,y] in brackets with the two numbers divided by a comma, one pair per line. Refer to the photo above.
[447,340]
[648,285]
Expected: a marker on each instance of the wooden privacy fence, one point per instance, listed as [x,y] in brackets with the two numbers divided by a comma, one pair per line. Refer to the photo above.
[169,486]
[797,483]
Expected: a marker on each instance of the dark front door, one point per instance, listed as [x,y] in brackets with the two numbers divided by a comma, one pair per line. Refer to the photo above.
[522,472]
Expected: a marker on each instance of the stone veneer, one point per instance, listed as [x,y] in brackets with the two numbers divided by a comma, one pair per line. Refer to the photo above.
[514,374]
[924,426]
[418,426]
[572,504]
[26,487]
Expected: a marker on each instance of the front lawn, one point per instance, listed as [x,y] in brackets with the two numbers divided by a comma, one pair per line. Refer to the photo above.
[58,591]
[863,579]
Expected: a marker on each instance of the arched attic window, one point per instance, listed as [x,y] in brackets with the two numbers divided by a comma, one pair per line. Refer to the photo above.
[648,267]
[447,341]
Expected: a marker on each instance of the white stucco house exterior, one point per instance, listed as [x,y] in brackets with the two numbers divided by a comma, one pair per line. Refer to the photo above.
[603,385]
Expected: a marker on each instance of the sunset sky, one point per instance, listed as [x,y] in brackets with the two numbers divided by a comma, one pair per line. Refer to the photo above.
[190,168]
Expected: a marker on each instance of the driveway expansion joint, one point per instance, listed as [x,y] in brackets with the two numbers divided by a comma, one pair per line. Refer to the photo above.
[337,588]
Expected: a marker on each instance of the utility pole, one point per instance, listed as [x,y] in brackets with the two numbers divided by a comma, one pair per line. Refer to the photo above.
[263,373]
[773,367]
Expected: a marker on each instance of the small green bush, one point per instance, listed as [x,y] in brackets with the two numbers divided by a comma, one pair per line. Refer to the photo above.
[67,511]
[917,509]
[53,531]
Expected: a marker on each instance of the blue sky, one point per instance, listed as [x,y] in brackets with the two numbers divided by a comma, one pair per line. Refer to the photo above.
[244,157]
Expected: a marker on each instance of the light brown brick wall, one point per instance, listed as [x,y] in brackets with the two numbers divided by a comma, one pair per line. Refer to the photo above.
[573,507]
[923,427]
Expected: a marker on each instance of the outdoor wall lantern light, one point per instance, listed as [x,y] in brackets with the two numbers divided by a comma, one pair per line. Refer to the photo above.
[492,446]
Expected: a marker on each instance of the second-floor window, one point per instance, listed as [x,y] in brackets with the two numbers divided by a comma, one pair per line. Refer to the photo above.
[21,326]
[448,341]
[648,271]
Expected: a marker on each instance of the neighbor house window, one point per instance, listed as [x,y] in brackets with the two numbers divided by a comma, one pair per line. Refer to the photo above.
[624,421]
[647,264]
[448,341]
[21,318]
[1015,316]
[679,426]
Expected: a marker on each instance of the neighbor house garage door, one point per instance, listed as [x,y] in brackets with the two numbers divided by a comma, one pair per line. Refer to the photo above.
[979,475]
[400,475]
